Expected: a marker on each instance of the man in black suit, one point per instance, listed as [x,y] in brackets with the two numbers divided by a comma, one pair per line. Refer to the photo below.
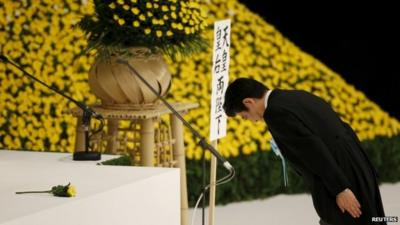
[323,149]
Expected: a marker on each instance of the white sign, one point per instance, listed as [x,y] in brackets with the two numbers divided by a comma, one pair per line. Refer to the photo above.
[220,78]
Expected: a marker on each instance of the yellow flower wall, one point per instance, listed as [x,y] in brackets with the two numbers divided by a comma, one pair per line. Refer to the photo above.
[39,35]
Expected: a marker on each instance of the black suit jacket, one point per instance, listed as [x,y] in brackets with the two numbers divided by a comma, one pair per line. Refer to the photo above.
[326,152]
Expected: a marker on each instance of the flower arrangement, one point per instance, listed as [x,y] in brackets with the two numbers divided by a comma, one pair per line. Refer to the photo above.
[169,26]
[59,190]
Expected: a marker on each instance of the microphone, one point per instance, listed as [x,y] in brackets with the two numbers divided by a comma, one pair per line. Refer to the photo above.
[206,145]
[86,117]
[203,143]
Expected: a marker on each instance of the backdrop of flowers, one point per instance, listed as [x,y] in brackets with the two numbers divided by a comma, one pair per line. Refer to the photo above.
[40,36]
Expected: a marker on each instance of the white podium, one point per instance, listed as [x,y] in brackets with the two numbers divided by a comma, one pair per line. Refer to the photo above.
[105,194]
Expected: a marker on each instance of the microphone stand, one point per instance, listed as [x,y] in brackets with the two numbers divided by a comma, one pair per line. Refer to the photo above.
[88,113]
[203,143]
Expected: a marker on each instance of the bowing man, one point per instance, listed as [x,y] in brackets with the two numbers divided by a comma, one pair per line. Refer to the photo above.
[322,148]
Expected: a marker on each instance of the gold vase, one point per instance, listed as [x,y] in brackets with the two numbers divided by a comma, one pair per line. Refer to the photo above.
[120,88]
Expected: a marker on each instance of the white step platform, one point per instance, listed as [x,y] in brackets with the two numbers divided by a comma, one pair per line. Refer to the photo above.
[283,209]
[109,195]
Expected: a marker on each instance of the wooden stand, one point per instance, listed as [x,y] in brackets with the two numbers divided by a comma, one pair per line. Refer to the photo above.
[150,137]
[213,178]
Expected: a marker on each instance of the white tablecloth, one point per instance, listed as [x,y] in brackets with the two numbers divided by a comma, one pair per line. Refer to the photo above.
[105,194]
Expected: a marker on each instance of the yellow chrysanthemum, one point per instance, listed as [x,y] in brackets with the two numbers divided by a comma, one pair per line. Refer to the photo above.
[126,7]
[187,30]
[180,26]
[121,22]
[147,31]
[112,5]
[135,11]
[159,33]
[164,8]
[135,23]
[173,15]
[142,17]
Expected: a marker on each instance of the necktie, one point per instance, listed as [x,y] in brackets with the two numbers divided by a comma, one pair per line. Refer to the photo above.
[278,153]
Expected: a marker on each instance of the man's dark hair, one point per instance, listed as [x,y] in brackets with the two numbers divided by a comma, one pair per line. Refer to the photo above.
[240,89]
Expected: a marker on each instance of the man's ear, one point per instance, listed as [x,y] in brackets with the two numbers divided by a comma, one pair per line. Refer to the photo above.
[248,101]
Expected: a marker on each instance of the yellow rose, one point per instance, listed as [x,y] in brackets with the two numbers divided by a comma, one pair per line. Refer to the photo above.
[71,191]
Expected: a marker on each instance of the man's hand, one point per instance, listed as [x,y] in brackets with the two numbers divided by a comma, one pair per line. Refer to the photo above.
[348,202]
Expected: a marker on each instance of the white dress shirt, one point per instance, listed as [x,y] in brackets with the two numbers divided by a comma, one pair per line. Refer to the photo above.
[266,98]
